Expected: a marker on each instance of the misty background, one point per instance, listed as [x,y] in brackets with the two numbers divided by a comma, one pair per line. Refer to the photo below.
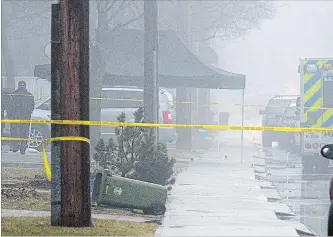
[264,45]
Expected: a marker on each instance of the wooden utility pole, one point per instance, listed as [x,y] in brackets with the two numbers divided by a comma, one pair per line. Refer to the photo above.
[151,85]
[75,165]
[56,105]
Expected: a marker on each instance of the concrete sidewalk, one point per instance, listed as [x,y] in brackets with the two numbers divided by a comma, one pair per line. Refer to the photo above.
[215,197]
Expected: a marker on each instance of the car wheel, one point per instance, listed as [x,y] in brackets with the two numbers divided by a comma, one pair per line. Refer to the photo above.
[157,209]
[330,222]
[38,133]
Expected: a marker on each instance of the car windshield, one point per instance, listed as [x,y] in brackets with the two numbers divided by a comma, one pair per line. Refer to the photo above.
[290,112]
[277,106]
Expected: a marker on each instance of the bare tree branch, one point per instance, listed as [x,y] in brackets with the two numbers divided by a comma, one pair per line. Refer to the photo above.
[236,18]
[121,25]
[109,8]
[122,6]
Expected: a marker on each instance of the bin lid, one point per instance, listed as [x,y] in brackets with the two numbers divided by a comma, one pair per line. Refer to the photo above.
[138,182]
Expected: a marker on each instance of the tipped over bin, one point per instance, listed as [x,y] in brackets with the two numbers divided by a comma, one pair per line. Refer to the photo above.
[119,192]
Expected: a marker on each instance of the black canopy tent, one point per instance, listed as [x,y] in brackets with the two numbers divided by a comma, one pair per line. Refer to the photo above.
[123,53]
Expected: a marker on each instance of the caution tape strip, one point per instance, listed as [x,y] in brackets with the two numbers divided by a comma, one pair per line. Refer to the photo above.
[195,126]
[181,102]
[47,167]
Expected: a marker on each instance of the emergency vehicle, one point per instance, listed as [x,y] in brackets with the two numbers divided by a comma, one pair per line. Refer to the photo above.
[315,110]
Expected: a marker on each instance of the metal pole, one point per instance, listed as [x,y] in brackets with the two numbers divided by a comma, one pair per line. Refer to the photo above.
[75,179]
[56,106]
[151,86]
[183,111]
[242,131]
[218,140]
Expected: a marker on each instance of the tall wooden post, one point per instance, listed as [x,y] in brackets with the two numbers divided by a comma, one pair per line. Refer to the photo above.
[75,190]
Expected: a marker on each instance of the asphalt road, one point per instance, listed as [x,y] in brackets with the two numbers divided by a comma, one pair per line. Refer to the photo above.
[306,195]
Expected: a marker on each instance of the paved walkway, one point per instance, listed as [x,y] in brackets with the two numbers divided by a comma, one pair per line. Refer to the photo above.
[215,197]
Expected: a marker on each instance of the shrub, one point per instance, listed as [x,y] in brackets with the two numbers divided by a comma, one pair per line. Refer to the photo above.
[153,164]
[134,153]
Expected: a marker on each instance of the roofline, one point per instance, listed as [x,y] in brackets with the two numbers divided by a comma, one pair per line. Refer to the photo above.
[319,58]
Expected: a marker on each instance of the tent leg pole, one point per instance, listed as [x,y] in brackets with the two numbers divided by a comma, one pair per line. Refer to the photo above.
[242,131]
[218,142]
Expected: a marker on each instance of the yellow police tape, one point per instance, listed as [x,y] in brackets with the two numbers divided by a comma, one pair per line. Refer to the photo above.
[195,126]
[47,167]
[124,124]
[180,102]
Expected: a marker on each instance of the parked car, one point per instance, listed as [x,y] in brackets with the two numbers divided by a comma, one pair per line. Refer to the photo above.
[130,100]
[271,116]
[288,119]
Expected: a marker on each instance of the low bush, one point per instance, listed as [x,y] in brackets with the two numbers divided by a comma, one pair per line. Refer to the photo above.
[134,153]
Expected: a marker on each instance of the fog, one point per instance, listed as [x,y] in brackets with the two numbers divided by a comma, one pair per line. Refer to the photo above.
[269,55]
[202,44]
[267,52]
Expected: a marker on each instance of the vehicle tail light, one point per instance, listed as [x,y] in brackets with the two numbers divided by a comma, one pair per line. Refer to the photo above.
[308,146]
[327,66]
[315,145]
[167,117]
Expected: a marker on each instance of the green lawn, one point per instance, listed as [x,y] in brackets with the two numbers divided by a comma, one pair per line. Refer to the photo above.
[40,226]
[11,173]
[40,203]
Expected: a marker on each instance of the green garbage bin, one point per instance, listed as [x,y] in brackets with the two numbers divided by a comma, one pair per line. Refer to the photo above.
[122,192]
